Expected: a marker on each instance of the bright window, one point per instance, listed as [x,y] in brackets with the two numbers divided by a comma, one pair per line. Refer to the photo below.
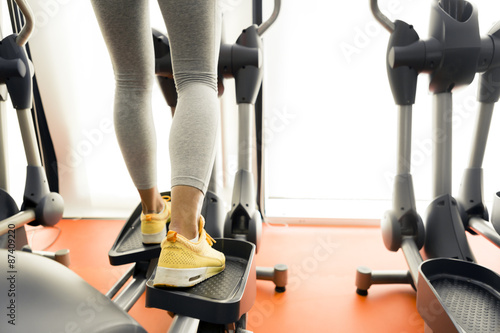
[331,120]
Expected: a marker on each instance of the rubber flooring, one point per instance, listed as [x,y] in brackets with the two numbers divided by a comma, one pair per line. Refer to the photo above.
[320,295]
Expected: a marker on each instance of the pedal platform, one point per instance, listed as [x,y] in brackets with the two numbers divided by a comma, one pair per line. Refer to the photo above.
[221,299]
[458,296]
[128,246]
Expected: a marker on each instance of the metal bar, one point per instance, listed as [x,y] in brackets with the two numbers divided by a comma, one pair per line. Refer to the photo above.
[261,184]
[132,292]
[264,26]
[265,273]
[391,277]
[16,221]
[117,286]
[29,26]
[404,139]
[213,185]
[277,274]
[381,18]
[412,256]
[245,137]
[257,12]
[184,324]
[257,19]
[485,229]
[442,140]
[480,138]
[365,278]
[29,137]
[4,167]
[15,16]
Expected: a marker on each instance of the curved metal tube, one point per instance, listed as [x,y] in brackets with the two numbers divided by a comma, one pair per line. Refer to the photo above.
[265,25]
[381,18]
[29,25]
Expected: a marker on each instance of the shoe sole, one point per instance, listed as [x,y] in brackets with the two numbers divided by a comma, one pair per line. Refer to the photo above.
[154,238]
[183,277]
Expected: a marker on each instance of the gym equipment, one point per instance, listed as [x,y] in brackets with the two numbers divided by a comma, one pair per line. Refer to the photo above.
[40,206]
[464,295]
[40,294]
[220,303]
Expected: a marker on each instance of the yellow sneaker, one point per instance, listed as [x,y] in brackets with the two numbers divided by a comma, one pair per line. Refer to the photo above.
[154,226]
[183,263]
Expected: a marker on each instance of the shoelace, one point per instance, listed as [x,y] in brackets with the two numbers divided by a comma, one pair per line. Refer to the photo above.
[210,240]
[172,237]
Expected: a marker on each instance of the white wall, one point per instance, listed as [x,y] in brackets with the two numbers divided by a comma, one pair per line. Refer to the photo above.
[330,121]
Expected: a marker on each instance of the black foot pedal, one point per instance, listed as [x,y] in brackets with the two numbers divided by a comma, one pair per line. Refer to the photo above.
[458,296]
[221,299]
[128,246]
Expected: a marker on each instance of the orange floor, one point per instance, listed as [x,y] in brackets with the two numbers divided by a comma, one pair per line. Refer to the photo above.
[320,296]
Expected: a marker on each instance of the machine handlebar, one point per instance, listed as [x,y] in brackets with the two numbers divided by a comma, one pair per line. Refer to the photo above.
[381,18]
[267,24]
[29,25]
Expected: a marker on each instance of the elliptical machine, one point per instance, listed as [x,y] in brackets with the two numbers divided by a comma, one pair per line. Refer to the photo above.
[464,294]
[40,294]
[40,205]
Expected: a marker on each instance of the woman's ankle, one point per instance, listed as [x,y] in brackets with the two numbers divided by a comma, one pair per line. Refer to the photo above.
[151,201]
[188,230]
[185,213]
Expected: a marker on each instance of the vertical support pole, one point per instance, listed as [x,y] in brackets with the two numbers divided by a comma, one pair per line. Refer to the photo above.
[442,139]
[29,137]
[404,139]
[470,195]
[444,227]
[245,136]
[483,121]
[4,169]
[259,118]
[403,200]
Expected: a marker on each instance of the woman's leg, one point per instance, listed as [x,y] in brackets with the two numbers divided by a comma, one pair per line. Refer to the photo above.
[127,33]
[194,32]
[194,35]
[187,257]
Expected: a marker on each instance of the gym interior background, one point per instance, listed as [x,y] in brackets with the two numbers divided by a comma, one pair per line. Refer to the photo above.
[329,117]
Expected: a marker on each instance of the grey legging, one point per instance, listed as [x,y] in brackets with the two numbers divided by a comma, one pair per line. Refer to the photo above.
[193,28]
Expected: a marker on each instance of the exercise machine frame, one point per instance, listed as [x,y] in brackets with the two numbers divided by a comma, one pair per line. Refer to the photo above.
[452,56]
